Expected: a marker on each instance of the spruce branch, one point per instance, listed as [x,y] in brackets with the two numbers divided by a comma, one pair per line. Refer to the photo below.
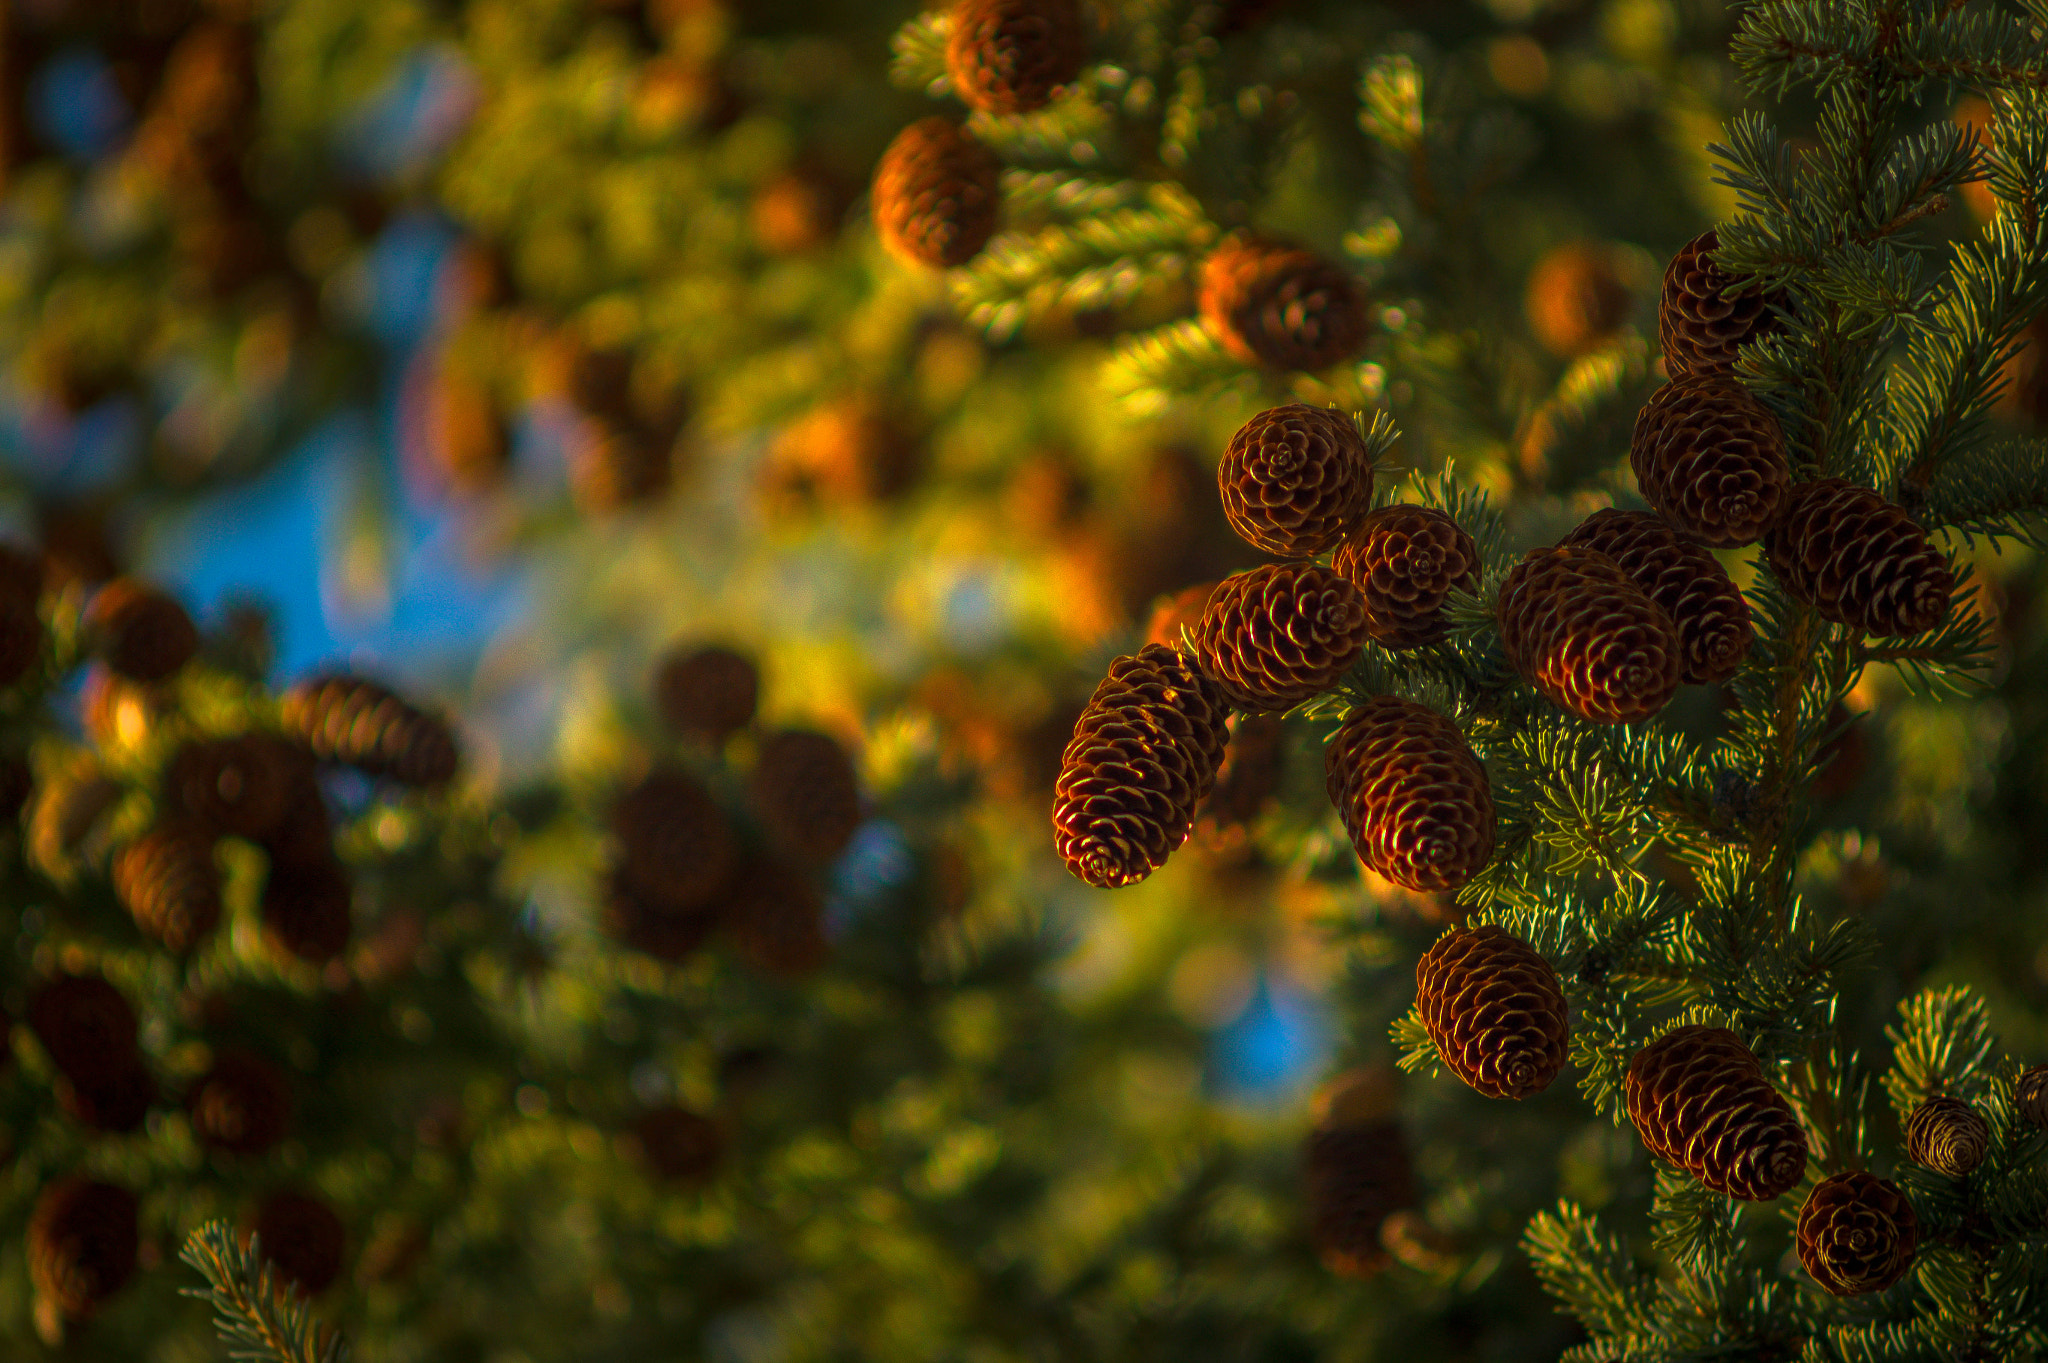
[258,1315]
[1592,1272]
[918,54]
[1941,1044]
[1998,491]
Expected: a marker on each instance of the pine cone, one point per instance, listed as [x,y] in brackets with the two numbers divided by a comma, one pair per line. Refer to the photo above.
[1294,479]
[1948,1136]
[142,633]
[615,466]
[1857,1233]
[87,1027]
[1144,753]
[235,786]
[303,1237]
[2030,1097]
[1268,303]
[1699,324]
[1703,602]
[304,834]
[306,909]
[936,194]
[360,724]
[1858,560]
[1577,628]
[83,1240]
[679,1145]
[465,433]
[117,1102]
[1710,459]
[777,919]
[242,1105]
[1010,56]
[852,451]
[1405,560]
[168,882]
[1412,794]
[706,692]
[1576,298]
[1250,774]
[1494,1009]
[1358,1175]
[806,792]
[1700,1100]
[1277,635]
[651,924]
[677,842]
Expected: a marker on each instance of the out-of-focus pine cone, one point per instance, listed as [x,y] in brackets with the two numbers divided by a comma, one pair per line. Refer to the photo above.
[1708,609]
[2030,1097]
[777,919]
[83,1239]
[1012,56]
[1183,609]
[303,1237]
[358,723]
[1277,635]
[1858,560]
[614,466]
[1948,1136]
[936,194]
[117,1102]
[676,841]
[797,211]
[1576,298]
[1250,774]
[706,692]
[806,793]
[1700,1100]
[1405,560]
[679,1145]
[651,923]
[1412,794]
[1700,324]
[235,786]
[142,633]
[1583,633]
[70,807]
[87,1027]
[1857,1233]
[242,1105]
[466,435]
[1493,1007]
[1272,304]
[1294,479]
[168,882]
[1711,459]
[306,909]
[1358,1174]
[850,451]
[304,833]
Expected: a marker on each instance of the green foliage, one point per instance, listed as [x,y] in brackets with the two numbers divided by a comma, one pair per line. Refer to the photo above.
[260,1317]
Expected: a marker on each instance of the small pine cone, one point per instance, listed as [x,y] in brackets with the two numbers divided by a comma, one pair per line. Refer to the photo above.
[118,1102]
[1708,609]
[653,925]
[1271,304]
[1250,774]
[1277,635]
[2030,1097]
[679,1145]
[1858,560]
[614,466]
[242,1105]
[1011,56]
[806,793]
[1585,635]
[1294,479]
[168,882]
[1358,1175]
[851,451]
[360,724]
[1405,560]
[1700,1100]
[1699,323]
[87,1027]
[1412,795]
[303,1237]
[1493,1007]
[1711,459]
[708,693]
[142,633]
[234,786]
[306,909]
[777,919]
[304,834]
[1857,1233]
[676,841]
[1576,298]
[1948,1136]
[936,194]
[83,1240]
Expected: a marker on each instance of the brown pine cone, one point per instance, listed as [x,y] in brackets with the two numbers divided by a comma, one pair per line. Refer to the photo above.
[1858,560]
[851,451]
[777,919]
[117,1102]
[87,1027]
[1576,298]
[1412,794]
[1277,635]
[1405,560]
[1250,774]
[1948,1136]
[1012,56]
[1708,609]
[1294,479]
[614,466]
[242,1105]
[306,909]
[1710,459]
[2030,1097]
[1358,1175]
[1493,1007]
[676,841]
[142,634]
[1700,324]
[806,793]
[706,692]
[1700,1100]
[1857,1233]
[303,1237]
[83,1240]
[168,882]
[936,194]
[679,1145]
[235,786]
[1268,303]
[304,834]
[1580,630]
[358,723]
[651,924]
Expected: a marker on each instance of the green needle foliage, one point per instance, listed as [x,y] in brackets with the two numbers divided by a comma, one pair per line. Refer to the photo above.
[260,1317]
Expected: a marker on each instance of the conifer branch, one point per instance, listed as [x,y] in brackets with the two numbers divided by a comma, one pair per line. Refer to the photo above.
[258,1315]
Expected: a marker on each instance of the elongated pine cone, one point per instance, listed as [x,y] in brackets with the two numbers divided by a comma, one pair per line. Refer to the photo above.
[1583,633]
[168,882]
[652,924]
[1711,459]
[1143,755]
[2030,1097]
[777,919]
[1272,304]
[1576,298]
[1493,1007]
[1011,56]
[303,1236]
[1858,560]
[1405,560]
[358,723]
[306,909]
[679,1145]
[1948,1136]
[143,634]
[706,692]
[1708,609]
[806,793]
[936,194]
[116,1102]
[1412,794]
[83,1240]
[1857,1233]
[242,1105]
[1279,634]
[1294,479]
[236,786]
[1700,1100]
[676,841]
[1699,323]
[87,1027]
[1359,1172]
